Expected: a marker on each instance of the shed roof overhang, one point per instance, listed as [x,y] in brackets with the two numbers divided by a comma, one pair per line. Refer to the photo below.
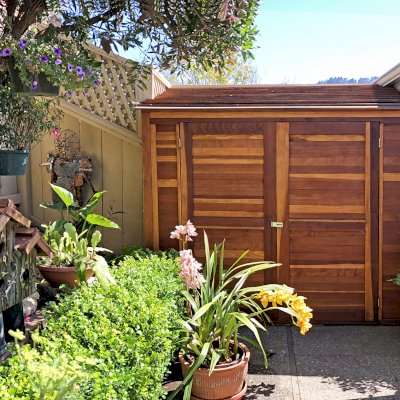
[390,78]
[275,97]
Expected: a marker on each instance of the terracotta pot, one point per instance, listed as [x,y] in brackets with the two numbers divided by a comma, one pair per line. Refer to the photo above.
[57,276]
[227,382]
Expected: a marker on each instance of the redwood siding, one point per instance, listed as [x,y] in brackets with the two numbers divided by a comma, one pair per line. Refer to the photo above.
[234,176]
[390,198]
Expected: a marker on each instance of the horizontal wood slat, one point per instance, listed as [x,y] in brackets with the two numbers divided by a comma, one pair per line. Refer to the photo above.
[390,220]
[327,212]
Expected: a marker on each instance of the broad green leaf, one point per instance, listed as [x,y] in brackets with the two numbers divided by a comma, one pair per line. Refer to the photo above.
[65,195]
[92,203]
[53,206]
[80,267]
[71,230]
[100,268]
[99,220]
[96,237]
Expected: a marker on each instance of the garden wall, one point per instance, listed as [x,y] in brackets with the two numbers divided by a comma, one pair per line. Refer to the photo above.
[116,154]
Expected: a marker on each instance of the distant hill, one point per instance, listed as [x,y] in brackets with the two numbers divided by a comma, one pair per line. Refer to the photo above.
[338,80]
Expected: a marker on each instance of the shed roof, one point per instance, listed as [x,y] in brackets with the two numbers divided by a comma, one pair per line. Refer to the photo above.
[276,96]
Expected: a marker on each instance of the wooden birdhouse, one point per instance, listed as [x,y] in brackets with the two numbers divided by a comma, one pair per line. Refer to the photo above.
[19,246]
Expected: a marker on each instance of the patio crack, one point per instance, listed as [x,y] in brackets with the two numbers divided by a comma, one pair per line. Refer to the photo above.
[293,366]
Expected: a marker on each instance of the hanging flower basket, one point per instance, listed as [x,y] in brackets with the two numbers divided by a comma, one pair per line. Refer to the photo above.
[40,87]
[13,162]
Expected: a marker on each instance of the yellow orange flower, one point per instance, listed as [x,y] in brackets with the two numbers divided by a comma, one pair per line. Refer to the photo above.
[286,296]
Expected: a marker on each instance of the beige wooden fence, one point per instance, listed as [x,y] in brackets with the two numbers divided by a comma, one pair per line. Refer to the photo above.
[107,124]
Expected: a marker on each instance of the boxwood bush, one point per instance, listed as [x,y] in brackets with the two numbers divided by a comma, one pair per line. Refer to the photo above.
[125,330]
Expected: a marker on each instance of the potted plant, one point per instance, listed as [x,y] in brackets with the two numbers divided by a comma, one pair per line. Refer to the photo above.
[23,123]
[214,361]
[41,61]
[74,261]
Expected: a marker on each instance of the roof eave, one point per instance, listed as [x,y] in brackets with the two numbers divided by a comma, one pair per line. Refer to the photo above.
[390,78]
[274,107]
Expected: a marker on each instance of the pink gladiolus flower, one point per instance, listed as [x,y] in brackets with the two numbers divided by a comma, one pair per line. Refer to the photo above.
[190,231]
[190,270]
[184,232]
[179,232]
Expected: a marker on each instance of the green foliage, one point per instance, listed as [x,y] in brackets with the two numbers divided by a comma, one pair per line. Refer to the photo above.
[72,250]
[236,71]
[127,330]
[396,280]
[81,217]
[171,34]
[139,253]
[65,63]
[25,120]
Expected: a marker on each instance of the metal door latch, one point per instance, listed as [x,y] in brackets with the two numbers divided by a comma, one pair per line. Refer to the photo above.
[276,224]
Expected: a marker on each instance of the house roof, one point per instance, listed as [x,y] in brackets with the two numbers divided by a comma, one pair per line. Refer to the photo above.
[276,96]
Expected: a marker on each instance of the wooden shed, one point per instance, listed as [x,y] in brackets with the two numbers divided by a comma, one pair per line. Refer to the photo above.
[307,175]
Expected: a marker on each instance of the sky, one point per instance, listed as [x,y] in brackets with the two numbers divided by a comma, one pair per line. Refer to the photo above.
[304,41]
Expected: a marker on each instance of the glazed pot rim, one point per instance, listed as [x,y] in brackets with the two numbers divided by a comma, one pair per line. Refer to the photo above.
[244,359]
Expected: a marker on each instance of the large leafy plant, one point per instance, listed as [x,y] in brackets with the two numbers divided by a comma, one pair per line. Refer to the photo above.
[72,250]
[219,303]
[83,218]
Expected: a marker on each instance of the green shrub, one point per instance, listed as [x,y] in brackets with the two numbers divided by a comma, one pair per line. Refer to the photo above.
[127,328]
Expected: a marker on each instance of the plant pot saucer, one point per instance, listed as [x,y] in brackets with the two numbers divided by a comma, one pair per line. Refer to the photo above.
[237,396]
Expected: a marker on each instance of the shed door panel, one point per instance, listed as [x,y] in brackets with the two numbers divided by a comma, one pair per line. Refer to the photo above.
[390,220]
[229,166]
[329,223]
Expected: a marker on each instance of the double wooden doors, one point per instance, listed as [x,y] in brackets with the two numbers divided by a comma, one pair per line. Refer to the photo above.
[294,192]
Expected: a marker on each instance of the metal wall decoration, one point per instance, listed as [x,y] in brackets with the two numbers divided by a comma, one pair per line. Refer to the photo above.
[69,168]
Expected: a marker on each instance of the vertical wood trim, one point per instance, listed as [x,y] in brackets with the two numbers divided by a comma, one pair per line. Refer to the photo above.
[147,186]
[154,187]
[374,198]
[381,193]
[369,306]
[178,173]
[270,275]
[282,206]
[183,175]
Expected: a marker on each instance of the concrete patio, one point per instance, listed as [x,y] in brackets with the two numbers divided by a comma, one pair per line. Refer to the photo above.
[329,363]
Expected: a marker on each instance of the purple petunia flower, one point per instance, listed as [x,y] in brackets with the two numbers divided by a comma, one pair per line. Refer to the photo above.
[78,70]
[34,85]
[70,67]
[88,72]
[22,43]
[69,94]
[96,82]
[58,61]
[57,51]
[82,75]
[6,52]
[43,59]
